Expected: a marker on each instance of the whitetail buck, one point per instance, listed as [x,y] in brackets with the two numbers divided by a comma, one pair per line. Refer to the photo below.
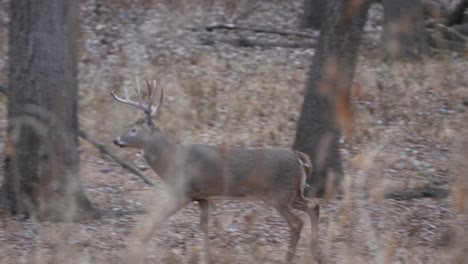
[199,172]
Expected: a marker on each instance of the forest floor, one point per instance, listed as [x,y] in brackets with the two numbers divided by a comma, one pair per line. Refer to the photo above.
[410,132]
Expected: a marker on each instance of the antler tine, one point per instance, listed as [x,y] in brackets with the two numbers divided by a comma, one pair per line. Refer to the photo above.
[150,91]
[139,104]
[153,92]
[147,107]
[138,90]
[151,95]
[126,93]
[155,109]
[127,101]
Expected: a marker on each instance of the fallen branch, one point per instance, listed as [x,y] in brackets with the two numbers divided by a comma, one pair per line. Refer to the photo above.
[423,192]
[453,33]
[430,23]
[247,43]
[256,30]
[440,43]
[116,158]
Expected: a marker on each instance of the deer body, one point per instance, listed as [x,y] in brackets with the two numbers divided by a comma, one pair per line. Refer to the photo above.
[241,172]
[198,172]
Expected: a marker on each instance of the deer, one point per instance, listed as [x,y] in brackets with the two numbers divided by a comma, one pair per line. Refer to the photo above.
[203,173]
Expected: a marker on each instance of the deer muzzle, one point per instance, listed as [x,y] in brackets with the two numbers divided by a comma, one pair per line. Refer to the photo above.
[119,142]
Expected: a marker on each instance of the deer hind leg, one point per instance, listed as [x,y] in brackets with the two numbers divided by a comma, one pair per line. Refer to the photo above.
[312,209]
[205,208]
[295,225]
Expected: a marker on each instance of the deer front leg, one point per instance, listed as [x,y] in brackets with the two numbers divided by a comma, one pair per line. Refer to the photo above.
[144,231]
[205,208]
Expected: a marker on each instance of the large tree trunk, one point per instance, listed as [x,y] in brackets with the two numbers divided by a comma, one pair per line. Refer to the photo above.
[313,13]
[41,168]
[404,36]
[326,104]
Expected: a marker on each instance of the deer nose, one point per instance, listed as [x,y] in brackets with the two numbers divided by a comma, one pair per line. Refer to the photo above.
[117,142]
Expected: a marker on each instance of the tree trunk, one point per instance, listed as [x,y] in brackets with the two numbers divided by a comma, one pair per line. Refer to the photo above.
[313,13]
[457,15]
[326,104]
[404,36]
[41,168]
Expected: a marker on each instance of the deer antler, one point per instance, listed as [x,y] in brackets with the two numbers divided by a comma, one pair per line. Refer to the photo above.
[147,107]
[155,109]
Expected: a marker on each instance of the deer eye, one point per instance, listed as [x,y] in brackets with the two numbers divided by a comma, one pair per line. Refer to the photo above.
[133,130]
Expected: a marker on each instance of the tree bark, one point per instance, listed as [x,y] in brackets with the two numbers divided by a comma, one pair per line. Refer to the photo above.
[41,168]
[313,13]
[456,17]
[3,90]
[404,36]
[327,99]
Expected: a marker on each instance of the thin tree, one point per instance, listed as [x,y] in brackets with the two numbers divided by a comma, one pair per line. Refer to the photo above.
[404,36]
[313,13]
[326,107]
[41,166]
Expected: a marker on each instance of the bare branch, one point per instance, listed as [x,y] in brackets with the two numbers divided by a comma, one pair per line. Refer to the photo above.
[255,29]
[418,193]
[110,153]
[244,42]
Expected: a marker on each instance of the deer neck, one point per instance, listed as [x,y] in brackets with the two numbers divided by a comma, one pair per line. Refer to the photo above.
[160,153]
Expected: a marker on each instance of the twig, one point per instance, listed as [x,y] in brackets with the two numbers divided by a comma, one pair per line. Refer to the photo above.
[116,158]
[423,192]
[118,213]
[255,29]
[246,43]
[248,12]
[286,6]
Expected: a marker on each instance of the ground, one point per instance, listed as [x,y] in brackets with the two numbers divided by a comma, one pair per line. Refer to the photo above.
[410,132]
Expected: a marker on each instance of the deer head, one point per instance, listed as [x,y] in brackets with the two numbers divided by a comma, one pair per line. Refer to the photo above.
[143,128]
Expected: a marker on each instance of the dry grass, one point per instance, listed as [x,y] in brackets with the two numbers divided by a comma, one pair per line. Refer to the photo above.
[410,127]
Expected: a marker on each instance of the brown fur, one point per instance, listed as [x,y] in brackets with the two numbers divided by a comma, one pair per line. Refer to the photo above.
[199,172]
